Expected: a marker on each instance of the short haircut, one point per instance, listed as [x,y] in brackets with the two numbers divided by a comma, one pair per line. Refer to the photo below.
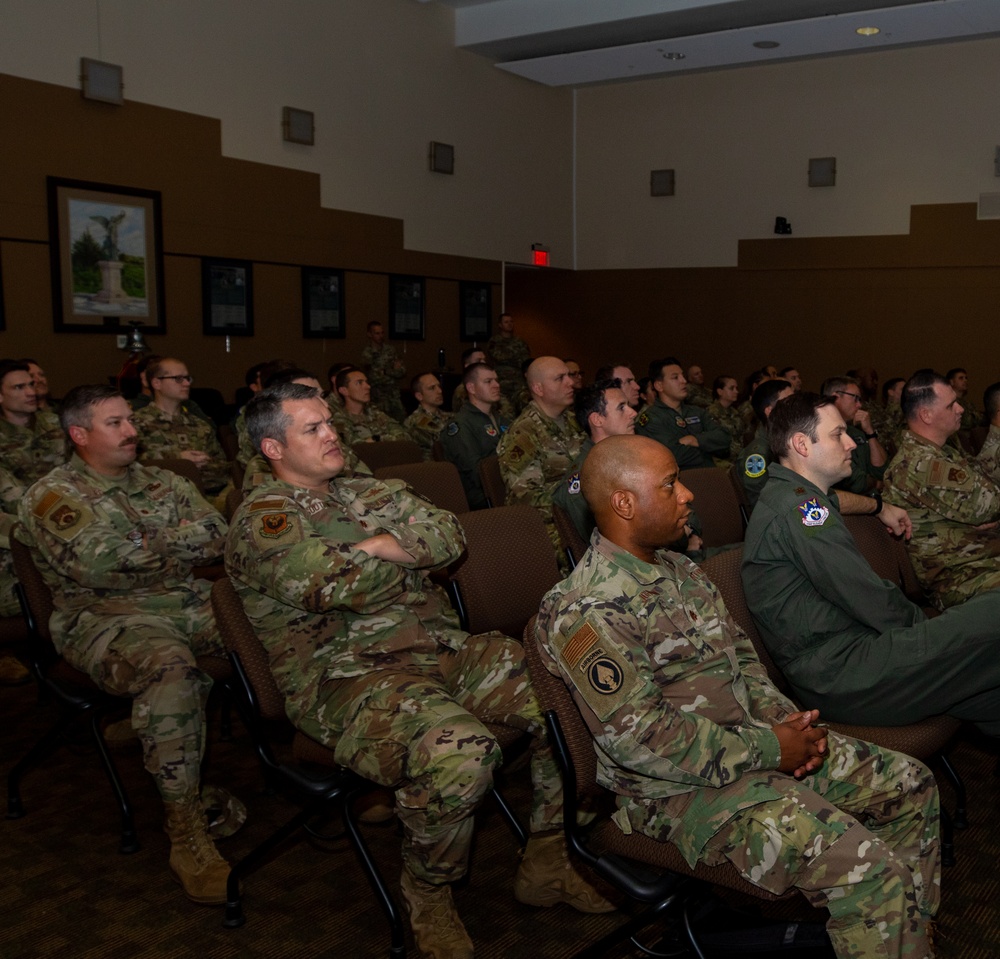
[832,384]
[78,404]
[146,362]
[767,395]
[607,372]
[256,372]
[372,324]
[335,368]
[888,386]
[919,391]
[12,366]
[472,372]
[340,380]
[954,371]
[719,382]
[27,359]
[415,382]
[798,413]
[656,367]
[286,375]
[591,399]
[264,371]
[991,399]
[786,370]
[265,416]
[644,382]
[155,368]
[467,353]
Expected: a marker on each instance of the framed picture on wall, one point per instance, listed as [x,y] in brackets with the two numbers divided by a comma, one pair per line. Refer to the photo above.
[3,315]
[406,307]
[106,250]
[322,303]
[474,312]
[227,297]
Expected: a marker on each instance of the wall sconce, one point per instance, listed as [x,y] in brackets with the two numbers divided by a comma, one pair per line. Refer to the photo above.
[661,182]
[298,126]
[101,81]
[823,171]
[442,158]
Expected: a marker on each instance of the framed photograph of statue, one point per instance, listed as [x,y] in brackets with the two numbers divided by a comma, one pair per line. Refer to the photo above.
[106,249]
[406,307]
[323,303]
[474,312]
[226,297]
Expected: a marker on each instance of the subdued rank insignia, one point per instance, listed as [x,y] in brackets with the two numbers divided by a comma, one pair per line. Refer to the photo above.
[491,430]
[812,513]
[574,484]
[799,490]
[274,524]
[453,429]
[755,465]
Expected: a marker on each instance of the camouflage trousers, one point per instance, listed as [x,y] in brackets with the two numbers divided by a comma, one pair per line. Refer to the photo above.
[385,397]
[859,838]
[9,606]
[421,732]
[151,659]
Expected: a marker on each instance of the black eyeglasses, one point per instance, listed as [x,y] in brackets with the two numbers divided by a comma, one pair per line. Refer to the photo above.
[853,396]
[178,377]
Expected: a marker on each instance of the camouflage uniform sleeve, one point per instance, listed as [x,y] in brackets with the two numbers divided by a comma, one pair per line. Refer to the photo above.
[273,548]
[638,727]
[520,454]
[11,494]
[199,535]
[390,429]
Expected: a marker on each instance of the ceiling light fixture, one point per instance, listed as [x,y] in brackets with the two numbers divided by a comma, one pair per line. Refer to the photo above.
[766,44]
[867,31]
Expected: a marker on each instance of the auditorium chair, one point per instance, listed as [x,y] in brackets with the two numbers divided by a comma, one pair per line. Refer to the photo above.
[492,480]
[437,482]
[574,545]
[716,505]
[388,453]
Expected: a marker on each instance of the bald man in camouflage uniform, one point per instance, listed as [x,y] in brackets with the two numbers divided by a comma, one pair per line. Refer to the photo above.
[953,506]
[372,662]
[703,752]
[116,542]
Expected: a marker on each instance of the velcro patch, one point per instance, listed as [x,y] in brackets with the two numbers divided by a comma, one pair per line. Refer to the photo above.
[65,519]
[276,528]
[46,503]
[598,667]
[267,504]
[948,475]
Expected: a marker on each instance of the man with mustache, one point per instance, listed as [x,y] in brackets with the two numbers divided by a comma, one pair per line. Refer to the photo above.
[702,751]
[116,542]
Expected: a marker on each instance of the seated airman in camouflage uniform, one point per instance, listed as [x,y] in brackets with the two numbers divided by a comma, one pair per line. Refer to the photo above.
[542,443]
[356,418]
[425,423]
[703,751]
[31,443]
[988,458]
[887,419]
[115,542]
[954,507]
[332,573]
[958,380]
[169,430]
[698,394]
[384,370]
[724,411]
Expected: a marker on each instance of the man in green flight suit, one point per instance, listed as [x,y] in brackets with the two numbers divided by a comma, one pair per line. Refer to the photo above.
[869,459]
[756,455]
[332,572]
[687,431]
[848,641]
[703,752]
[953,505]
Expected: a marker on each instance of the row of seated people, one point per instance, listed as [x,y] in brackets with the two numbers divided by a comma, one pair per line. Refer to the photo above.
[332,569]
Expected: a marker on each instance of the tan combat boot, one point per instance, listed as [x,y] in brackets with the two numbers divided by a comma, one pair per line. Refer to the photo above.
[194,860]
[546,877]
[436,927]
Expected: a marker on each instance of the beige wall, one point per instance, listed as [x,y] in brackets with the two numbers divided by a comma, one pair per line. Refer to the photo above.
[907,127]
[383,78]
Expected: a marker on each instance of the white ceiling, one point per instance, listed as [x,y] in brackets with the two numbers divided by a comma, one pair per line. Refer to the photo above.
[578,42]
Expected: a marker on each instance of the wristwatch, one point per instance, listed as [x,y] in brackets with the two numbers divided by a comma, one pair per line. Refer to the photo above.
[878,504]
[873,435]
[134,536]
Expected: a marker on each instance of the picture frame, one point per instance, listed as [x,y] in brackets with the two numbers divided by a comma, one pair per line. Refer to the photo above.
[406,307]
[227,297]
[475,324]
[106,254]
[323,303]
[3,314]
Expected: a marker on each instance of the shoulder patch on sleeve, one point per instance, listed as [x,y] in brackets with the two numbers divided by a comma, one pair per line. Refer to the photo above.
[275,528]
[948,475]
[46,503]
[63,518]
[598,667]
[452,428]
[642,419]
[755,465]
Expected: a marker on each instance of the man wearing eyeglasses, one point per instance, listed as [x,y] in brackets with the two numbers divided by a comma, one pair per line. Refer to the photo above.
[869,459]
[169,430]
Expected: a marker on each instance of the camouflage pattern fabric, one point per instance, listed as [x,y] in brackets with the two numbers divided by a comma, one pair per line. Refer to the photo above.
[988,459]
[259,468]
[681,712]
[371,659]
[385,370]
[851,644]
[29,452]
[864,476]
[509,354]
[947,497]
[11,494]
[700,396]
[133,617]
[667,425]
[141,400]
[166,437]
[372,424]
[425,428]
[470,437]
[972,416]
[752,464]
[535,454]
[246,451]
[728,417]
[888,422]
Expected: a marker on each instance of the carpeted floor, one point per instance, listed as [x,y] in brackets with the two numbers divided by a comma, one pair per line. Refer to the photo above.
[66,891]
